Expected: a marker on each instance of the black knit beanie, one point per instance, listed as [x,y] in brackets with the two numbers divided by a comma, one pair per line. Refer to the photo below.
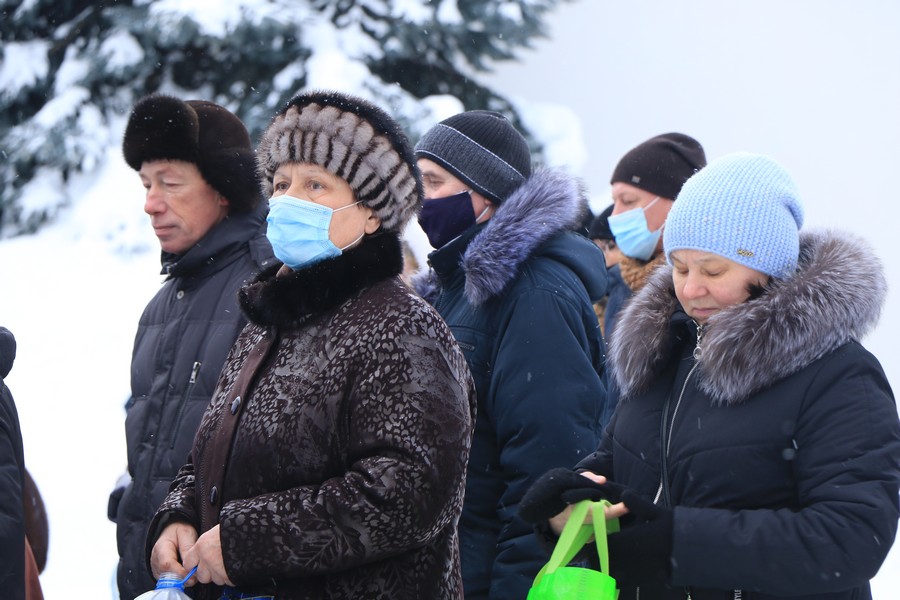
[353,139]
[599,229]
[661,165]
[482,149]
[199,132]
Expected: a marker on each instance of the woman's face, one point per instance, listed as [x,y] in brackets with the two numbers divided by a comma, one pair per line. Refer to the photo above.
[310,182]
[706,283]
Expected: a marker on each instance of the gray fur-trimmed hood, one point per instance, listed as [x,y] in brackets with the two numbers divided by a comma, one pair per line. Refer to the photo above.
[547,204]
[835,295]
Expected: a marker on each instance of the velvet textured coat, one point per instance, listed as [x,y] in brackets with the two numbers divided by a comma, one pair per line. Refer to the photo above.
[182,339]
[775,439]
[517,293]
[345,478]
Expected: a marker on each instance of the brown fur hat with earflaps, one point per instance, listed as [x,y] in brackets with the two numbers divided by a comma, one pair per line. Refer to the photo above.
[196,131]
[353,139]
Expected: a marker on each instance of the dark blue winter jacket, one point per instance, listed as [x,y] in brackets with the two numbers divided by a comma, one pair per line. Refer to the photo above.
[619,293]
[182,340]
[517,294]
[778,446]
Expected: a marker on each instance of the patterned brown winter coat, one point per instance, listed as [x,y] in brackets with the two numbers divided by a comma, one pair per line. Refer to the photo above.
[345,477]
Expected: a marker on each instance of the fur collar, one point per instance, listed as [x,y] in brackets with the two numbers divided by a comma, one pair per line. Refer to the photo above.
[835,295]
[635,273]
[289,300]
[549,203]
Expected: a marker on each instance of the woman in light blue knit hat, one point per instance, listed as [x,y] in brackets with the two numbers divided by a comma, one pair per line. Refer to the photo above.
[755,449]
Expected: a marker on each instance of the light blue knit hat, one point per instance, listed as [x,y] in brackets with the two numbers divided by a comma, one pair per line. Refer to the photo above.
[742,206]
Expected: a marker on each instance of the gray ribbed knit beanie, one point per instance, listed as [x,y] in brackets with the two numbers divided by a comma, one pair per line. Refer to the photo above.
[744,207]
[353,139]
[482,149]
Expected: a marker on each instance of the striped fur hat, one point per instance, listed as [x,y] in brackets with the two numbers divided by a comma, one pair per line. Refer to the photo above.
[353,139]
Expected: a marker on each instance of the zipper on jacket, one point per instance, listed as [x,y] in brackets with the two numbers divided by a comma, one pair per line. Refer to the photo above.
[440,299]
[666,432]
[184,400]
[665,444]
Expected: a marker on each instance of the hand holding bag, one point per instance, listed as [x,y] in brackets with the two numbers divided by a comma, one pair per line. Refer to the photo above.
[556,581]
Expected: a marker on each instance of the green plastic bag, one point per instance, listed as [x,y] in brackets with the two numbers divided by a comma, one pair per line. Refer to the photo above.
[556,581]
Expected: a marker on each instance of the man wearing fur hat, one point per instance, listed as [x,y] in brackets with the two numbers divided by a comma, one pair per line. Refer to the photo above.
[197,166]
[516,285]
[645,183]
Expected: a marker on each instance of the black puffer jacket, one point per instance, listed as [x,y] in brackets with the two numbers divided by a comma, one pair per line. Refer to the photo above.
[781,441]
[12,480]
[181,343]
[345,476]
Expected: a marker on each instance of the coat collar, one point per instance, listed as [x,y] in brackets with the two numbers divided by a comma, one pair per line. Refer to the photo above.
[549,203]
[835,295]
[290,300]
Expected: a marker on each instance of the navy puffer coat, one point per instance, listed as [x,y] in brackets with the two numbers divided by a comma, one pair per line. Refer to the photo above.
[517,294]
[778,446]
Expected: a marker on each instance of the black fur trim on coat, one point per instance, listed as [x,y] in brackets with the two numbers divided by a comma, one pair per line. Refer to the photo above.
[835,295]
[290,300]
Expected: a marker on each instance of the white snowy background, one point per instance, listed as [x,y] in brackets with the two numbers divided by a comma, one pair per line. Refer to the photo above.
[813,83]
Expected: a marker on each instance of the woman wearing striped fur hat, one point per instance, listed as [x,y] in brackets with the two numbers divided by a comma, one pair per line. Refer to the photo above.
[330,462]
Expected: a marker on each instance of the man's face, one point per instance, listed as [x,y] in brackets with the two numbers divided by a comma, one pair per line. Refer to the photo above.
[182,206]
[438,182]
[628,197]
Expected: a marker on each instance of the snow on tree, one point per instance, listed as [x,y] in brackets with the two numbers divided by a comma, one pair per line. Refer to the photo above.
[71,69]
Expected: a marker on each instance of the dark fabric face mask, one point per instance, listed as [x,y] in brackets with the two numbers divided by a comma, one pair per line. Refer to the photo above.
[443,219]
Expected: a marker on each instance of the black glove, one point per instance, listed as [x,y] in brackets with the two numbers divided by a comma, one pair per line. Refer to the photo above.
[597,491]
[642,552]
[554,490]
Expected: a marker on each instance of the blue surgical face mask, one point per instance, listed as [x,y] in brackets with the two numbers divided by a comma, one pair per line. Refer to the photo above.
[633,236]
[298,231]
